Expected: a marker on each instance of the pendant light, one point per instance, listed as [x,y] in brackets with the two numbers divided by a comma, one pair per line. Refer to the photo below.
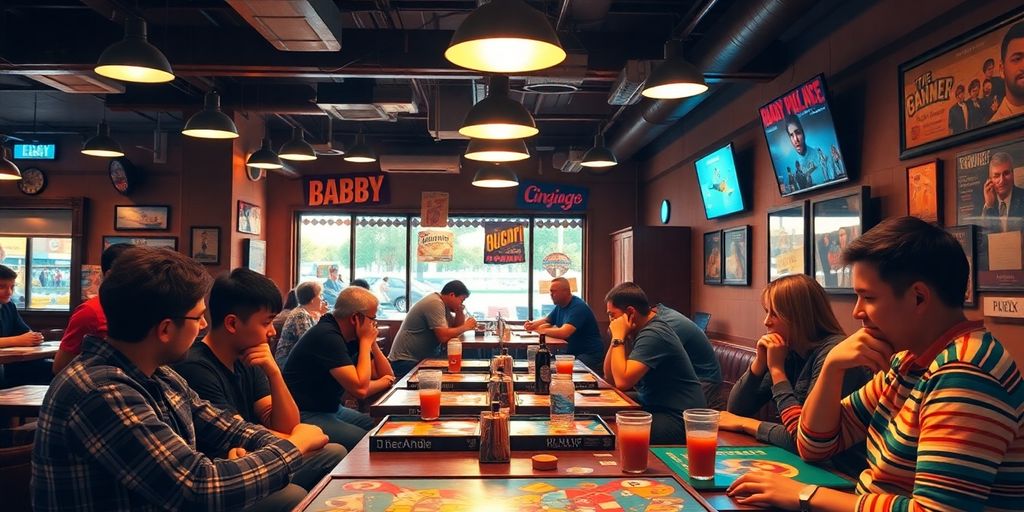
[505,36]
[498,116]
[484,150]
[133,59]
[674,78]
[361,152]
[102,144]
[210,122]
[8,171]
[297,149]
[264,157]
[495,176]
[599,155]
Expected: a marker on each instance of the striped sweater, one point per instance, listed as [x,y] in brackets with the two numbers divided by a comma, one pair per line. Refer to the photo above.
[944,430]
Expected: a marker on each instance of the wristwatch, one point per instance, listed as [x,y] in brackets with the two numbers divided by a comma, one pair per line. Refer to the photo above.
[617,342]
[805,497]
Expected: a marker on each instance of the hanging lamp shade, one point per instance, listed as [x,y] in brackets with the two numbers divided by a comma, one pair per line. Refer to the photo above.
[210,122]
[297,149]
[484,150]
[264,157]
[505,36]
[498,116]
[599,155]
[674,78]
[102,144]
[8,171]
[361,152]
[495,176]
[133,59]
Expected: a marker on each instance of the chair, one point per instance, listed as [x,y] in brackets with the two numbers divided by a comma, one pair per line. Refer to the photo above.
[16,467]
[522,313]
[702,319]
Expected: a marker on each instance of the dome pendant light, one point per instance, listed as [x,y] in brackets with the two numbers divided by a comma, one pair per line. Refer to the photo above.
[297,149]
[210,122]
[133,59]
[505,36]
[361,152]
[495,176]
[675,78]
[484,150]
[8,171]
[102,144]
[264,157]
[599,155]
[499,117]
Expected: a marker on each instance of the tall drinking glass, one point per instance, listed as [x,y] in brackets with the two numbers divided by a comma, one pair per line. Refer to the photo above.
[701,442]
[454,356]
[430,394]
[564,363]
[531,358]
[634,439]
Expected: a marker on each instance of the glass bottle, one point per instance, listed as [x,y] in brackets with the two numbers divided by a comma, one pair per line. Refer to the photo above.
[542,368]
[503,361]
[500,389]
[563,400]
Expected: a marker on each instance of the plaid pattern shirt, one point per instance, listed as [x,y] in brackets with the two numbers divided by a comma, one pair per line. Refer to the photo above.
[110,438]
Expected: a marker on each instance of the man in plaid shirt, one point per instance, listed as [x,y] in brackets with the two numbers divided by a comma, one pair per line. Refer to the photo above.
[120,431]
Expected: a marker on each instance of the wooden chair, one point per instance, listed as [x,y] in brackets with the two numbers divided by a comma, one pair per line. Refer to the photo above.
[16,468]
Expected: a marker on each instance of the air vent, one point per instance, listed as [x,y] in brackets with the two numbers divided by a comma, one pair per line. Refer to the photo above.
[294,25]
[626,89]
[542,85]
[568,162]
[420,164]
[362,100]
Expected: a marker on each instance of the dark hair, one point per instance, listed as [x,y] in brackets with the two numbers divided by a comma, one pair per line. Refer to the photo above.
[628,294]
[291,301]
[455,287]
[147,285]
[959,89]
[7,273]
[242,293]
[110,254]
[989,63]
[307,291]
[905,250]
[975,84]
[361,283]
[1015,32]
[793,119]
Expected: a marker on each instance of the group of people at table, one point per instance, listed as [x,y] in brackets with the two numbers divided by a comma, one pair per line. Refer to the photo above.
[924,408]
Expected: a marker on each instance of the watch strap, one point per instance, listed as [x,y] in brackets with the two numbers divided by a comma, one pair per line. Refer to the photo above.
[806,494]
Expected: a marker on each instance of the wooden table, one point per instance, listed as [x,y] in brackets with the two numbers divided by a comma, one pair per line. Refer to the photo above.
[22,401]
[407,401]
[478,381]
[46,349]
[471,340]
[484,366]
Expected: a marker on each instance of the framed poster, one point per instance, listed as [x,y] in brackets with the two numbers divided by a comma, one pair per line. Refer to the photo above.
[255,252]
[713,257]
[169,242]
[966,235]
[924,191]
[206,244]
[964,90]
[836,221]
[250,218]
[141,218]
[736,243]
[787,240]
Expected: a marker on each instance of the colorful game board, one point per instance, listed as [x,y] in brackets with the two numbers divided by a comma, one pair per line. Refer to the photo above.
[597,401]
[579,379]
[733,461]
[462,433]
[407,401]
[478,381]
[653,494]
[484,365]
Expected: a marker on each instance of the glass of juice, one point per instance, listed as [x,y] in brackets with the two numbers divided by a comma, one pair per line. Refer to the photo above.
[454,356]
[701,442]
[564,363]
[634,440]
[430,394]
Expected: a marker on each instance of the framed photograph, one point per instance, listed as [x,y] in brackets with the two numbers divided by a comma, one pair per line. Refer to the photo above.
[736,242]
[206,244]
[924,191]
[962,90]
[787,240]
[250,218]
[966,235]
[255,252]
[836,221]
[989,196]
[170,242]
[713,257]
[141,218]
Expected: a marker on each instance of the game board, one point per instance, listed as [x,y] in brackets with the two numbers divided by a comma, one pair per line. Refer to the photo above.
[478,381]
[733,461]
[579,379]
[484,365]
[461,433]
[407,401]
[604,401]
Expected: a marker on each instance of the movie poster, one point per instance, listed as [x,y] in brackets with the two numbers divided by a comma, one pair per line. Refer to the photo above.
[990,195]
[434,209]
[435,245]
[802,139]
[503,243]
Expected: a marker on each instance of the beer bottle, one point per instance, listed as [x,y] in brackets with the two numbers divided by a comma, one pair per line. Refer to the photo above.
[542,368]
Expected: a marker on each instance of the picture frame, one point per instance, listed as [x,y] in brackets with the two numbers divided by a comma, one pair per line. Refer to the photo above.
[713,257]
[787,240]
[142,217]
[931,115]
[205,244]
[837,220]
[169,242]
[736,256]
[255,255]
[924,191]
[249,218]
[966,236]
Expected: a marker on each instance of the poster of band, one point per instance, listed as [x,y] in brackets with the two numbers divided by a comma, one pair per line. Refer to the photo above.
[990,195]
[966,89]
[503,243]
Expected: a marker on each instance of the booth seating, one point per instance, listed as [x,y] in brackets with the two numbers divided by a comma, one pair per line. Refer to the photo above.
[734,360]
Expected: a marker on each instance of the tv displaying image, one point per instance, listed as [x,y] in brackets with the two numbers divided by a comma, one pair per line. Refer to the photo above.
[802,139]
[719,185]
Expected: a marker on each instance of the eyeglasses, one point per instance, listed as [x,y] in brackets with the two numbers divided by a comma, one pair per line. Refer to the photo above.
[197,318]
[368,317]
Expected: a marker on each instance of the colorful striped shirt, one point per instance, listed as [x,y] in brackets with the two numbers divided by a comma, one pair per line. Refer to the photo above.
[944,430]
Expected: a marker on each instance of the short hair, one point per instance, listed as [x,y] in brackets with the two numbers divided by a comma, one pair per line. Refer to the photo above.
[307,291]
[800,301]
[1015,32]
[793,119]
[7,273]
[147,285]
[628,294]
[242,293]
[1001,157]
[291,301]
[959,89]
[110,254]
[975,84]
[352,300]
[455,287]
[332,268]
[905,250]
[362,283]
[989,63]
[561,280]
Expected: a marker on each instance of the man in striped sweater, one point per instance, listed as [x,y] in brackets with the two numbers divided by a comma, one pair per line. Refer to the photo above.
[943,416]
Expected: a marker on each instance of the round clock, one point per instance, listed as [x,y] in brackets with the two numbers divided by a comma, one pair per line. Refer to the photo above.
[121,175]
[32,182]
[666,211]
[253,173]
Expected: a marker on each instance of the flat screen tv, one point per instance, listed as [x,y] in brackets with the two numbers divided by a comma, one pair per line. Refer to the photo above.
[719,184]
[802,139]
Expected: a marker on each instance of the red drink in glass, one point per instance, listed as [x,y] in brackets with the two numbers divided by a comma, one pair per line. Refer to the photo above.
[634,442]
[454,363]
[430,404]
[700,454]
[564,367]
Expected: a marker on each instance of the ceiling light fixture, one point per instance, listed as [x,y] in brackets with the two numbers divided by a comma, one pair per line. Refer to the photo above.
[599,155]
[495,176]
[264,157]
[102,144]
[498,117]
[505,36]
[133,59]
[361,152]
[210,122]
[8,171]
[674,78]
[484,150]
[297,149]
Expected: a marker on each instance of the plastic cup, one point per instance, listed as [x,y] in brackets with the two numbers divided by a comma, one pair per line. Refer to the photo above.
[531,358]
[634,440]
[430,394]
[454,356]
[701,442]
[564,363]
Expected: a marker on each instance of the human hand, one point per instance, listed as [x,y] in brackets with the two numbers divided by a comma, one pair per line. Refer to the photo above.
[28,339]
[260,356]
[236,453]
[307,438]
[989,191]
[862,348]
[736,423]
[388,380]
[619,327]
[766,489]
[470,323]
[366,330]
[760,363]
[776,350]
[528,325]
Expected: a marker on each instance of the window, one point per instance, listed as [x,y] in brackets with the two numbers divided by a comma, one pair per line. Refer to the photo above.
[558,252]
[380,248]
[324,241]
[36,243]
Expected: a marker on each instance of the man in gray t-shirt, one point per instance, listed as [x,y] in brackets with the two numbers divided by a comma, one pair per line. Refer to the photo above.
[428,326]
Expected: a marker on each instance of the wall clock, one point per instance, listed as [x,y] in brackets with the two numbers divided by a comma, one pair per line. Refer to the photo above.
[122,175]
[32,182]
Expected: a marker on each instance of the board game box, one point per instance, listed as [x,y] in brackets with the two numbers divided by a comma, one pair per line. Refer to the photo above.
[399,433]
[478,381]
[733,461]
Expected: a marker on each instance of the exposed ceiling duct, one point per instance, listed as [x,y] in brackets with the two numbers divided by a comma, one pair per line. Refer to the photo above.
[294,25]
[365,100]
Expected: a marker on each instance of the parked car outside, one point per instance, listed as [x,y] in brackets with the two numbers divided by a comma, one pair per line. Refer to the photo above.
[396,292]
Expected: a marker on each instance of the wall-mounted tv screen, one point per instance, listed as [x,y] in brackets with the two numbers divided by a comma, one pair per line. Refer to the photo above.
[802,139]
[35,151]
[719,184]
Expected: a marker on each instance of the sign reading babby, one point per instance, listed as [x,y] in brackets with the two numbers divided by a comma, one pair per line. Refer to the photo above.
[551,197]
[503,243]
[346,189]
[435,245]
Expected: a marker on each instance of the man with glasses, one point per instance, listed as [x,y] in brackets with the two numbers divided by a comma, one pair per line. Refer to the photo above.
[338,355]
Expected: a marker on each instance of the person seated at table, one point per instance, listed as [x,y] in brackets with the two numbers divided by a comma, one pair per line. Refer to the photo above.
[120,431]
[573,321]
[645,353]
[290,302]
[88,317]
[14,332]
[699,350]
[233,369]
[802,330]
[944,415]
[430,323]
[303,317]
[339,354]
